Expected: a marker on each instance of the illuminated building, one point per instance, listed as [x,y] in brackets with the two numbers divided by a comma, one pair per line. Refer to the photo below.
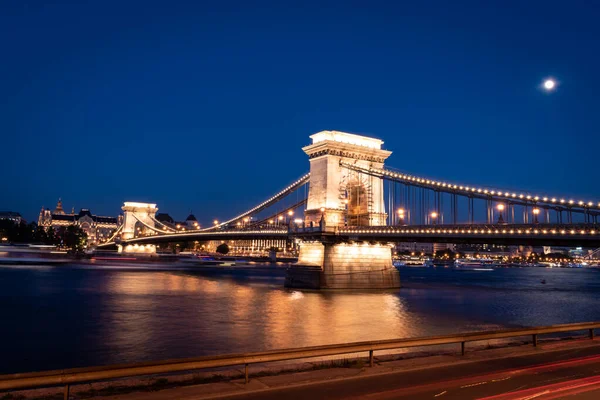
[98,229]
[12,216]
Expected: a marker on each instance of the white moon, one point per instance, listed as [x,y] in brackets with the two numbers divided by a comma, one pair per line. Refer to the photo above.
[549,84]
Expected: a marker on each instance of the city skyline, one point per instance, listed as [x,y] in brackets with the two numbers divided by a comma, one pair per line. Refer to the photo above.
[206,107]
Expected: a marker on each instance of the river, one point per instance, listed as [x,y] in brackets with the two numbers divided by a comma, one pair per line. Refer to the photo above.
[78,315]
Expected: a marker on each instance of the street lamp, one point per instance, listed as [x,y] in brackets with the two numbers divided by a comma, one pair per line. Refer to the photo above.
[401,216]
[500,208]
[216,222]
[535,211]
[433,217]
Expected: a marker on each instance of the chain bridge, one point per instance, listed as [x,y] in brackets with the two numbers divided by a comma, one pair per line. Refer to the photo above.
[348,210]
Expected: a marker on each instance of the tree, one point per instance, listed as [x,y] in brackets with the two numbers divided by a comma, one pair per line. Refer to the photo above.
[40,235]
[223,248]
[51,236]
[74,238]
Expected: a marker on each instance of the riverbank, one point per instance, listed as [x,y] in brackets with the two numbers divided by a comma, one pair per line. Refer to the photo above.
[267,378]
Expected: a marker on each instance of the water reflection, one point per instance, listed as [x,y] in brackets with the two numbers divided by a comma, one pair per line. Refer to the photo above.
[66,317]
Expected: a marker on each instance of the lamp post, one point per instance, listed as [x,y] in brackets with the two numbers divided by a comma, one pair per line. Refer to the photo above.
[290,214]
[500,208]
[433,216]
[400,216]
[535,211]
[279,219]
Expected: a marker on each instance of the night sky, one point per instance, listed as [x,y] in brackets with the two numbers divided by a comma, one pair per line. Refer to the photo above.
[205,106]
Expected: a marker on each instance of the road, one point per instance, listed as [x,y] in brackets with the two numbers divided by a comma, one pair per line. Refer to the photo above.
[573,373]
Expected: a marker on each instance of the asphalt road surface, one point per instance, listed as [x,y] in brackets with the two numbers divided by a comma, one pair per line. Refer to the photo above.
[573,373]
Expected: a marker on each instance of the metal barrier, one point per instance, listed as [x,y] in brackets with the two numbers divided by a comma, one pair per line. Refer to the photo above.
[67,377]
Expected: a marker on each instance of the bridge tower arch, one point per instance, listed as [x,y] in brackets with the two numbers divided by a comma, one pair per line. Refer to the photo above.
[339,196]
[134,212]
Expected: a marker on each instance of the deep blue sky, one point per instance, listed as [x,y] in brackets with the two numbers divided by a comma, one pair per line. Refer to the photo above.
[206,105]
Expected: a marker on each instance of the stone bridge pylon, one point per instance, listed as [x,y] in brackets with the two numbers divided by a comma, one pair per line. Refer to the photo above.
[337,197]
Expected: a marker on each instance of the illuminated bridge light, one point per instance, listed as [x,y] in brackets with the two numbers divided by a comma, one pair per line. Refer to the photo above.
[592,232]
[511,231]
[572,232]
[562,232]
[553,232]
[528,197]
[493,192]
[536,198]
[478,190]
[571,202]
[544,231]
[580,203]
[506,194]
[562,200]
[535,231]
[485,191]
[590,204]
[583,232]
[519,231]
[521,196]
[514,195]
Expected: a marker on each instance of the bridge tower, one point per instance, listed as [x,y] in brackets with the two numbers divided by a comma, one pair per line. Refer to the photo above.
[134,212]
[339,196]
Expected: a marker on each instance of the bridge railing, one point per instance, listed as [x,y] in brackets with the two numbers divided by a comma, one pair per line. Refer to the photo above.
[67,377]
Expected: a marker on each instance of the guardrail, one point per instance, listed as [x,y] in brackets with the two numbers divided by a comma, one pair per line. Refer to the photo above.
[67,377]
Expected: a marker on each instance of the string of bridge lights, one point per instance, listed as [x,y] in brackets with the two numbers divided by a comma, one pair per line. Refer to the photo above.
[471,231]
[479,190]
[301,181]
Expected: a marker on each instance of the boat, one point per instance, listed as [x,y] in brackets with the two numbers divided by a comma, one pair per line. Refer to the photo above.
[415,262]
[474,264]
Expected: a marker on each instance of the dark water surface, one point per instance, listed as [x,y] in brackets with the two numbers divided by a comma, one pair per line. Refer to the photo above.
[61,317]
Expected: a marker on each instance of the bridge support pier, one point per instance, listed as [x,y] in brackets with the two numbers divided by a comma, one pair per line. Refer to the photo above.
[323,265]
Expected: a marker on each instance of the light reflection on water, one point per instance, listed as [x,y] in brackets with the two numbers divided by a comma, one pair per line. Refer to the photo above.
[71,316]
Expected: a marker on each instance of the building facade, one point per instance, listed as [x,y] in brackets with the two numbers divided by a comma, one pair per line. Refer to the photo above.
[11,216]
[98,229]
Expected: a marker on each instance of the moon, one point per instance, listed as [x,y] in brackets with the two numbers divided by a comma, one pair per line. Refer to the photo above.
[549,84]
